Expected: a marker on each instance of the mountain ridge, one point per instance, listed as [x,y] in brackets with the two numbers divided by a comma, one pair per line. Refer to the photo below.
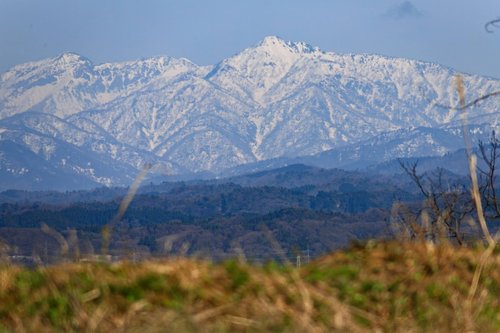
[272,100]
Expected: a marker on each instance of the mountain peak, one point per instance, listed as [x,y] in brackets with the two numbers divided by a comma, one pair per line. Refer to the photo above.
[272,40]
[275,42]
[71,58]
[276,100]
[262,66]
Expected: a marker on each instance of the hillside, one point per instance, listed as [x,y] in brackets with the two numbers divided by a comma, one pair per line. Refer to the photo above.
[303,207]
[376,287]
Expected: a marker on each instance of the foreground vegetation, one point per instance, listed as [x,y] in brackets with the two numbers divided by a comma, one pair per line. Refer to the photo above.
[403,287]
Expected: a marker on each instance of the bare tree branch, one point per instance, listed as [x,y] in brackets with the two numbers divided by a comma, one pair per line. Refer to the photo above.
[492,24]
[490,152]
[470,104]
[444,209]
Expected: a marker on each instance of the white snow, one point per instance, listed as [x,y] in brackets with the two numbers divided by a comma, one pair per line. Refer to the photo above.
[277,98]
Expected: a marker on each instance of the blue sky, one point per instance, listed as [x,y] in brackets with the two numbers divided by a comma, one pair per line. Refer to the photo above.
[450,32]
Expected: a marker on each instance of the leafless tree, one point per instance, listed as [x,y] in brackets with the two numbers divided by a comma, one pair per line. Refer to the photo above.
[490,152]
[447,208]
[444,209]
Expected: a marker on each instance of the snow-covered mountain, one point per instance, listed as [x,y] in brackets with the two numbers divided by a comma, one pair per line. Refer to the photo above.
[276,99]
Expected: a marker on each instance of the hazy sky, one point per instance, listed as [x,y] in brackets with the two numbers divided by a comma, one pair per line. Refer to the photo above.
[450,32]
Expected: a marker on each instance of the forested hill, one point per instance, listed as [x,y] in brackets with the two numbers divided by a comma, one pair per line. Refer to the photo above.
[298,176]
[301,207]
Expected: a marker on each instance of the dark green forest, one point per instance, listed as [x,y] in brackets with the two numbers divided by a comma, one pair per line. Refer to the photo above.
[275,214]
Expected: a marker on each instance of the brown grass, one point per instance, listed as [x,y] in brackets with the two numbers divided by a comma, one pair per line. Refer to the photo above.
[393,287]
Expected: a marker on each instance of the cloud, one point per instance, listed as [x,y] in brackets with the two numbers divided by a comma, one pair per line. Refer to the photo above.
[403,10]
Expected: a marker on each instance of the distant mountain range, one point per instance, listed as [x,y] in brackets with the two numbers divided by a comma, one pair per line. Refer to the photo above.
[67,123]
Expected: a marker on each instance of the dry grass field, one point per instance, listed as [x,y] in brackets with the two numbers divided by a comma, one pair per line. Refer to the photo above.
[375,287]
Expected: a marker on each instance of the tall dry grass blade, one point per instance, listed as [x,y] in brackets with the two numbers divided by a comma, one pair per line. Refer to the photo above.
[477,200]
[275,245]
[4,252]
[58,237]
[240,253]
[426,225]
[168,241]
[477,273]
[108,229]
[307,304]
[73,244]
[184,249]
[476,196]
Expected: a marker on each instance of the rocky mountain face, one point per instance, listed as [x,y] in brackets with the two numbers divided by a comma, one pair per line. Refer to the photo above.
[99,124]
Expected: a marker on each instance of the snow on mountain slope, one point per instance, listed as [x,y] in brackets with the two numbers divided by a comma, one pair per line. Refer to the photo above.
[70,83]
[276,99]
[348,98]
[21,168]
[258,69]
[66,148]
[418,143]
[187,120]
[312,101]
